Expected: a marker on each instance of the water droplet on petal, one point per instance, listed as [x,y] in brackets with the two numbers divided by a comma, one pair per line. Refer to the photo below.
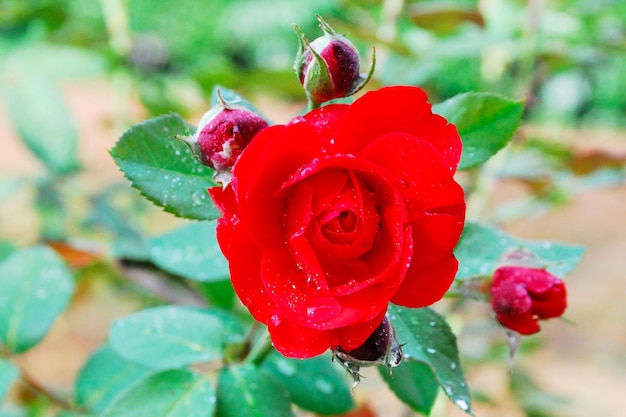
[275,320]
[322,309]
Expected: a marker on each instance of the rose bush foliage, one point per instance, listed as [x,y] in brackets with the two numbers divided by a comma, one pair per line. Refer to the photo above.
[340,211]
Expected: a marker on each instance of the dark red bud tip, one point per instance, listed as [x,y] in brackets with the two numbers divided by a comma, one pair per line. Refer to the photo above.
[380,348]
[520,296]
[328,67]
[223,134]
[223,139]
[342,62]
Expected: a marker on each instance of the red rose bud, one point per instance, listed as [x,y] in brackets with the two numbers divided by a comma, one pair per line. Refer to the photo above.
[380,348]
[222,134]
[328,67]
[521,296]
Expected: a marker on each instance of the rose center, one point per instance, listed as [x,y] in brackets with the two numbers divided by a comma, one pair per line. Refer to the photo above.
[348,222]
[336,225]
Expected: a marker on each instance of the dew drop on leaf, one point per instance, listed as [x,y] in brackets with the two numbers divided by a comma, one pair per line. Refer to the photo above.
[41,293]
[198,196]
[285,368]
[324,386]
[462,404]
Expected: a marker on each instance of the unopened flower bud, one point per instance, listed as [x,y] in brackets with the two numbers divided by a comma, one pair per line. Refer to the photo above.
[520,296]
[222,134]
[380,348]
[328,67]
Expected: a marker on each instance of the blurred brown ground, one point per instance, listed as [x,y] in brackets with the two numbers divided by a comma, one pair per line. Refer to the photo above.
[585,362]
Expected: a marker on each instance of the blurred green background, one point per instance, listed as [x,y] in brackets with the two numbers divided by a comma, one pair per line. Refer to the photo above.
[565,56]
[74,74]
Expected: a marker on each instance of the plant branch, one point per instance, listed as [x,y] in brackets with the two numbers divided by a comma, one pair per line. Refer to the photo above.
[35,386]
[260,343]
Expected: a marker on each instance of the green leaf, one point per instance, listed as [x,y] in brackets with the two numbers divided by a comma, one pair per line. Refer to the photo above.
[232,97]
[481,248]
[43,122]
[168,337]
[533,399]
[190,251]
[170,393]
[164,169]
[314,384]
[68,413]
[245,390]
[426,337]
[35,287]
[218,293]
[235,330]
[486,123]
[8,374]
[104,378]
[414,384]
[6,248]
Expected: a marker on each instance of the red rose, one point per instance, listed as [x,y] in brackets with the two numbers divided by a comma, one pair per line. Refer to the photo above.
[520,296]
[340,211]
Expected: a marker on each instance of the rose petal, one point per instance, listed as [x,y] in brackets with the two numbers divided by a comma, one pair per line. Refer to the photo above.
[397,109]
[351,337]
[245,265]
[510,297]
[224,230]
[326,120]
[434,201]
[435,237]
[297,220]
[552,306]
[423,286]
[303,305]
[387,264]
[298,342]
[224,200]
[249,157]
[536,280]
[523,324]
[261,172]
[329,182]
[296,297]
[428,184]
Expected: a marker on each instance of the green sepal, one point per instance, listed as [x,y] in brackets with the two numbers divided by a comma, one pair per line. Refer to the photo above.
[364,78]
